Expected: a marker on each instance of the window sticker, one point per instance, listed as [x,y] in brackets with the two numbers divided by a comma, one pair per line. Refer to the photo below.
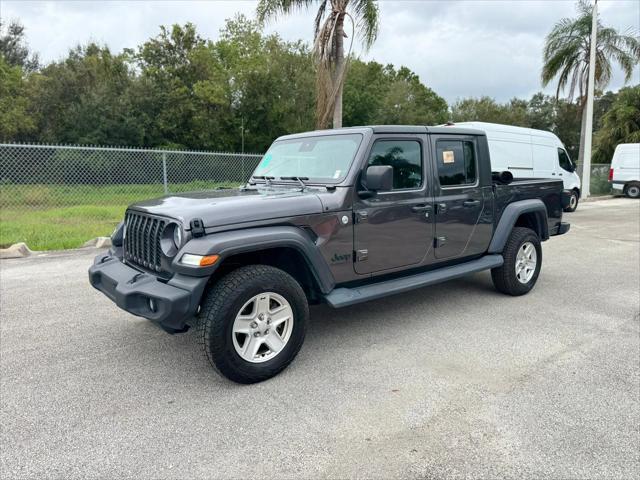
[448,156]
[337,174]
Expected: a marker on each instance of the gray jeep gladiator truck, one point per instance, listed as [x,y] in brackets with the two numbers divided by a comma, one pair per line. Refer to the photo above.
[341,217]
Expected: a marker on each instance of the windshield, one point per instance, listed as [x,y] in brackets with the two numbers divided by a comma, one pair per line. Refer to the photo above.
[324,158]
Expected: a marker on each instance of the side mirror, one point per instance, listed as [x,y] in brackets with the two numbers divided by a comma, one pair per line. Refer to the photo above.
[379,178]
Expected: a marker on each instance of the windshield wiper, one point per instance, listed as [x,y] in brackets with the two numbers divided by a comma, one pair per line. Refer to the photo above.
[266,179]
[299,179]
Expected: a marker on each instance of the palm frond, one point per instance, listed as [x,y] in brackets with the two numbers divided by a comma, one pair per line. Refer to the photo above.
[268,9]
[319,16]
[567,49]
[367,21]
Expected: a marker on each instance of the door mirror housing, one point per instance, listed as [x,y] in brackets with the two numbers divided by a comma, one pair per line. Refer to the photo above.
[379,178]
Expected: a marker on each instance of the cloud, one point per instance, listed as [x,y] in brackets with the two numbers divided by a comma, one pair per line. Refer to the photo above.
[459,48]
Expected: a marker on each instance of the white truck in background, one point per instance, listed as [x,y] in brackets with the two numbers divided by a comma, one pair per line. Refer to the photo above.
[530,153]
[624,174]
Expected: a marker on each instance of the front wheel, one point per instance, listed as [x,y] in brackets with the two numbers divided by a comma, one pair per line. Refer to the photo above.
[252,323]
[522,261]
[573,202]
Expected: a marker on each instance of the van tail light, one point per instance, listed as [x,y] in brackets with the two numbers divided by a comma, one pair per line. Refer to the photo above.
[610,174]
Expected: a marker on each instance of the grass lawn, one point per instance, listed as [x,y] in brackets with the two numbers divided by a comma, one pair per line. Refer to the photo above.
[51,217]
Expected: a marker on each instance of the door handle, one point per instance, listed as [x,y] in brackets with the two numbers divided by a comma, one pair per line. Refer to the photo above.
[471,203]
[421,208]
[441,207]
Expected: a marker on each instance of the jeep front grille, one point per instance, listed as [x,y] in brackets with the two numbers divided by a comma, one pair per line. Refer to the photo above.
[142,241]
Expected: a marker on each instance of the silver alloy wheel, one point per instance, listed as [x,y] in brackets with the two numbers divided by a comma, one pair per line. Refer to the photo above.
[262,327]
[573,201]
[633,191]
[526,261]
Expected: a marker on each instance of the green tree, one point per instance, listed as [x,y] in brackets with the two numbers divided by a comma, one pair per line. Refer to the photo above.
[566,56]
[270,84]
[14,48]
[621,124]
[483,109]
[328,45]
[407,101]
[179,82]
[376,94]
[86,99]
[16,122]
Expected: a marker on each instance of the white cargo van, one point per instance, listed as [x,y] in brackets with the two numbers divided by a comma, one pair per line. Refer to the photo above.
[624,174]
[529,153]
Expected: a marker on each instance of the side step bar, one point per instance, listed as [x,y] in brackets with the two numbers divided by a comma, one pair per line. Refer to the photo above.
[343,297]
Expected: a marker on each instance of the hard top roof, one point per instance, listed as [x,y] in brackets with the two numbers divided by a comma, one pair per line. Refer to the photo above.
[392,129]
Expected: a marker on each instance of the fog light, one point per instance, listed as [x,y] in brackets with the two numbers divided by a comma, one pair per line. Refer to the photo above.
[152,305]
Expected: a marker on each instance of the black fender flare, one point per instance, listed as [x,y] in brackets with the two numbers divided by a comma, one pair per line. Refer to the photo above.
[226,244]
[510,217]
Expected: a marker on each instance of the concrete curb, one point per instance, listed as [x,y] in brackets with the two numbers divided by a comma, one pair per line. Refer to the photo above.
[98,242]
[17,250]
[599,198]
[21,250]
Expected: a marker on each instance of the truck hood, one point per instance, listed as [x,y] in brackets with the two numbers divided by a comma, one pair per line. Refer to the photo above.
[225,207]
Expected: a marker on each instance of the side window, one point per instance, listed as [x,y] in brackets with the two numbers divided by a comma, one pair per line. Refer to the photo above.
[456,160]
[405,158]
[565,161]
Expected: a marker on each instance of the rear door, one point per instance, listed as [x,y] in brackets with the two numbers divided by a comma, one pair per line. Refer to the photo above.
[395,229]
[459,198]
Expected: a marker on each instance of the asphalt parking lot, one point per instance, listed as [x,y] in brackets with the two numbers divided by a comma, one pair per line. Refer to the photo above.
[454,380]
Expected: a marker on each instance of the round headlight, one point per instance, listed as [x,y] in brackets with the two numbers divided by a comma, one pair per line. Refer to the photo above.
[171,239]
[177,236]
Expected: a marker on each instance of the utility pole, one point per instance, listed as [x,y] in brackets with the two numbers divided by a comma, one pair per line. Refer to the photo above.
[242,134]
[588,131]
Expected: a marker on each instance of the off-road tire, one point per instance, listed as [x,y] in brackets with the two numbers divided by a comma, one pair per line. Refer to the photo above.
[219,308]
[632,190]
[504,277]
[572,200]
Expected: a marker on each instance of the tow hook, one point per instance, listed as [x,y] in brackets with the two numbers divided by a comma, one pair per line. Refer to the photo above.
[136,277]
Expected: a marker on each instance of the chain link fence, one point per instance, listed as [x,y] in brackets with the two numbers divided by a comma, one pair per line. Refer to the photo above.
[33,175]
[79,192]
[600,179]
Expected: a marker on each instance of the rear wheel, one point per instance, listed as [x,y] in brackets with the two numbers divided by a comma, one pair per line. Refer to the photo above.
[633,190]
[253,322]
[522,262]
[573,202]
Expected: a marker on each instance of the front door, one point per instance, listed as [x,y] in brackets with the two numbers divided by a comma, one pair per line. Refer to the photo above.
[459,201]
[395,228]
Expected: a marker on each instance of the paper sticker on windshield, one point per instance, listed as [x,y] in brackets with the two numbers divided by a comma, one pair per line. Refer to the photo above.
[337,174]
[448,156]
[265,160]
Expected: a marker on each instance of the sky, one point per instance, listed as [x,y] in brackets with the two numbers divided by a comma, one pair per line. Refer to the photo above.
[459,48]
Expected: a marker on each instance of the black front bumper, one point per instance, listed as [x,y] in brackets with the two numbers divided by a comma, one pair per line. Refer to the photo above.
[170,304]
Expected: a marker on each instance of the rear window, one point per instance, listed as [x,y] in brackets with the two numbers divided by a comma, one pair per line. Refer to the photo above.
[456,162]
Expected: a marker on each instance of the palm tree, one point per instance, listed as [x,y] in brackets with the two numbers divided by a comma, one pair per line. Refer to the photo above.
[328,44]
[566,56]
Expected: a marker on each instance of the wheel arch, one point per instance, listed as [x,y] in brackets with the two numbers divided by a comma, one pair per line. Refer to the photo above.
[524,213]
[289,248]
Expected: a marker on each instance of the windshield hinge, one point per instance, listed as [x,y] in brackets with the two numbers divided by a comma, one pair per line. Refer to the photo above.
[197,228]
